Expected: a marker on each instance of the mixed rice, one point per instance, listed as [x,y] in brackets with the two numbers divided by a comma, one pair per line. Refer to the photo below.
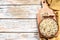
[48,27]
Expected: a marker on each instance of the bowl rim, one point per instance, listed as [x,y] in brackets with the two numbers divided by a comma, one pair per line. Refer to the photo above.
[40,34]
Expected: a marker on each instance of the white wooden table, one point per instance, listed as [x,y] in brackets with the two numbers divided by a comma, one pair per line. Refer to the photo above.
[18,19]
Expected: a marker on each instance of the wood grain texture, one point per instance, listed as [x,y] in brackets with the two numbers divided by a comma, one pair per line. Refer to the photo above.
[23,11]
[13,25]
[18,25]
[19,1]
[19,36]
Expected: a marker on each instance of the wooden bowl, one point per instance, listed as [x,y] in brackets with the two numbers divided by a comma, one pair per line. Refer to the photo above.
[42,34]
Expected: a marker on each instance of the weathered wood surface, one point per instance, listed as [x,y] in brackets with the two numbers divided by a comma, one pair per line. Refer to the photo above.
[23,11]
[19,1]
[19,36]
[13,25]
[18,25]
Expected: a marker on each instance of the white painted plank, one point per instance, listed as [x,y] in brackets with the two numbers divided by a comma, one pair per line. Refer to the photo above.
[18,25]
[23,11]
[19,1]
[19,36]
